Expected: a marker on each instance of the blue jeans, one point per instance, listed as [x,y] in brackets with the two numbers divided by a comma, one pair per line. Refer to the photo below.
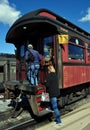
[56,110]
[33,73]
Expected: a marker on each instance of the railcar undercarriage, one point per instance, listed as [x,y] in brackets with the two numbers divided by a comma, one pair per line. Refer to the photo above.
[32,96]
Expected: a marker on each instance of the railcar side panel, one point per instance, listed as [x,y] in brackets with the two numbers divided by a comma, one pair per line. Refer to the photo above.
[75,75]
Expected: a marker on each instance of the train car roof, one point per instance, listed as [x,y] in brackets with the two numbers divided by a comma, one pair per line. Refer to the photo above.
[40,18]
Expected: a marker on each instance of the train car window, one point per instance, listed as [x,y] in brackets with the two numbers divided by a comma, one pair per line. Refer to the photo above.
[76,41]
[89,46]
[22,51]
[76,49]
[48,47]
[75,52]
[88,51]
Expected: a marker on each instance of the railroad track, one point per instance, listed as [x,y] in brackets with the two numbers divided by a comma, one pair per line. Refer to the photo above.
[25,122]
[23,125]
[6,121]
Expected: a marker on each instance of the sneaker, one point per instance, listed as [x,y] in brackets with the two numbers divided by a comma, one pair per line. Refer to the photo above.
[47,109]
[57,125]
[54,123]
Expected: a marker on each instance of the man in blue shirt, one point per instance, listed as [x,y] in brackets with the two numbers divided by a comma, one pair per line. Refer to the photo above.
[33,66]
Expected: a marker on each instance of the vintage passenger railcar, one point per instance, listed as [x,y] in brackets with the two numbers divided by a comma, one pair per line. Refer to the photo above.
[69,46]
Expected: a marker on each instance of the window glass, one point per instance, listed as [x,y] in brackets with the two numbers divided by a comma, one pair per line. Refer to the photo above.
[88,54]
[76,41]
[22,50]
[75,52]
[48,47]
[88,45]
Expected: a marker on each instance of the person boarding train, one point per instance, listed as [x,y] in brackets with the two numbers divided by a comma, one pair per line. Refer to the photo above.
[33,66]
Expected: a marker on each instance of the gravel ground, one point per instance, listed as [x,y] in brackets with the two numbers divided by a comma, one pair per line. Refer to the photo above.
[4,105]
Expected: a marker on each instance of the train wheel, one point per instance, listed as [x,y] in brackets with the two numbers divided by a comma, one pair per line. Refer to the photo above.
[84,92]
[61,102]
[87,91]
[71,97]
[66,98]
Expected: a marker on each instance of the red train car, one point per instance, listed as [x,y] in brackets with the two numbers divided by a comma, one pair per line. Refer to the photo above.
[69,46]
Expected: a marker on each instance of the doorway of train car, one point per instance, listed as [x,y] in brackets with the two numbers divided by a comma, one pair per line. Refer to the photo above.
[48,55]
[46,46]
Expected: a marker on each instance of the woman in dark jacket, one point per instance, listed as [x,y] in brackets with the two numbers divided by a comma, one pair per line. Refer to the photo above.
[52,87]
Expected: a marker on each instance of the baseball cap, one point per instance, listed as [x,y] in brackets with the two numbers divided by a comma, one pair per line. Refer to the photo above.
[30,46]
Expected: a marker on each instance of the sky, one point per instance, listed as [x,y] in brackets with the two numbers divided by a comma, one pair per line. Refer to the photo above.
[77,12]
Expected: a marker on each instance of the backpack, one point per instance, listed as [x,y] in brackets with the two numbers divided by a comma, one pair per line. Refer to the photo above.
[30,56]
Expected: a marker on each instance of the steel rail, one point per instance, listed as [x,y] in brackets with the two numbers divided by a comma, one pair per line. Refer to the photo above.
[30,122]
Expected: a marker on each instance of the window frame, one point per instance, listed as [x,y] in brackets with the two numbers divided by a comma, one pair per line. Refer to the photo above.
[87,49]
[78,45]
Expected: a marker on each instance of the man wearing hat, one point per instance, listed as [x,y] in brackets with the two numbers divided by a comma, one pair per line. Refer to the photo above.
[33,66]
